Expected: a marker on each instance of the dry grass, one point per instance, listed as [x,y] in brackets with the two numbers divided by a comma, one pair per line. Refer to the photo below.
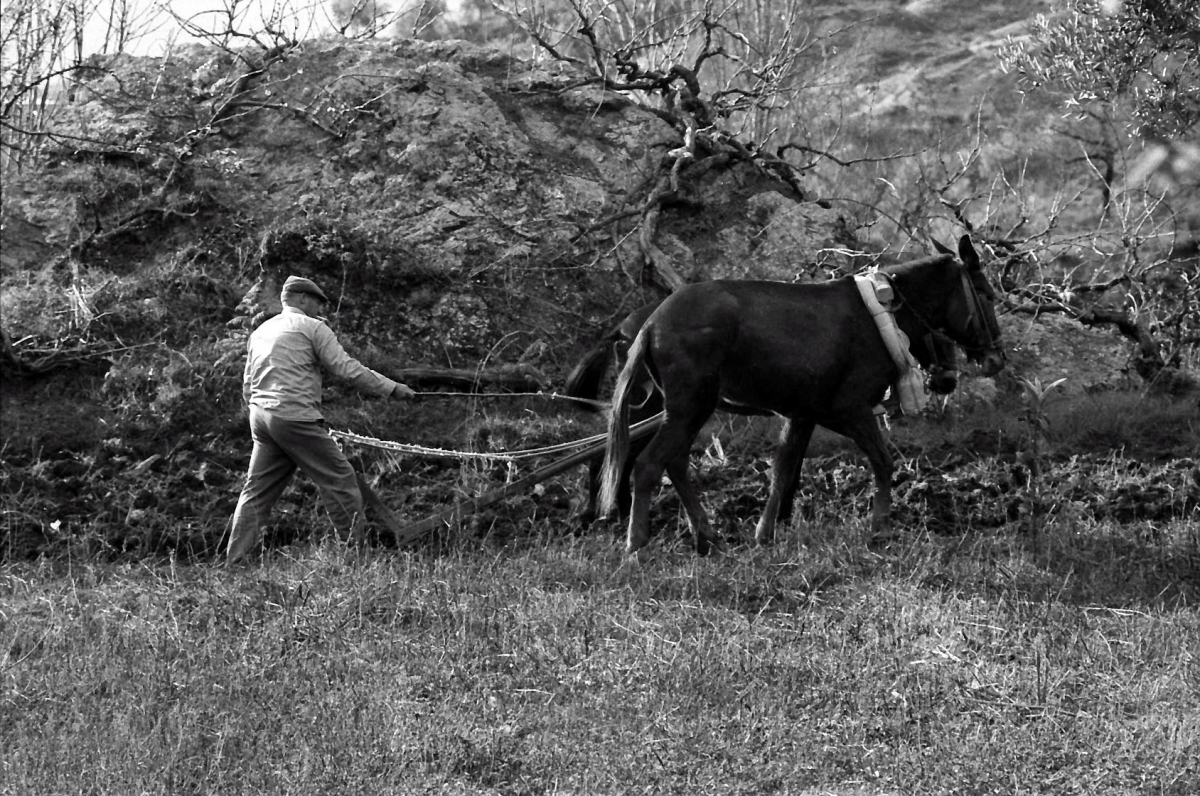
[817,666]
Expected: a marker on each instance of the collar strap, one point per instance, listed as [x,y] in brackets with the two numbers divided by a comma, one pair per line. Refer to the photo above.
[909,384]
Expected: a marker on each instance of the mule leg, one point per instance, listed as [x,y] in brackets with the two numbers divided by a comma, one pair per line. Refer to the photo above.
[864,430]
[787,490]
[625,496]
[647,475]
[702,532]
[672,441]
[785,473]
[587,515]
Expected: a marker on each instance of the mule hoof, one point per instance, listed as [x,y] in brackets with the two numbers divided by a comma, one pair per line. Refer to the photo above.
[636,539]
[628,564]
[764,539]
[883,539]
[581,521]
[883,534]
[764,534]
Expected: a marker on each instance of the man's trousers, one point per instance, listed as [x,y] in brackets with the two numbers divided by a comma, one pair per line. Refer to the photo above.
[280,447]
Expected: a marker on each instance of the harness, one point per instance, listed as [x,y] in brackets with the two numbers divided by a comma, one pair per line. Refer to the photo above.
[879,297]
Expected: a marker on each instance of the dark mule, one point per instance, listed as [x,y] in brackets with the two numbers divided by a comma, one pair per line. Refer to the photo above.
[586,378]
[808,352]
[584,381]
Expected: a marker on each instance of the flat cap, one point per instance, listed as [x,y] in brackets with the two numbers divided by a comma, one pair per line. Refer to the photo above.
[298,284]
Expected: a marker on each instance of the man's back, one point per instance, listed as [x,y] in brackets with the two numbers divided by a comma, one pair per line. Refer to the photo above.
[283,372]
[284,360]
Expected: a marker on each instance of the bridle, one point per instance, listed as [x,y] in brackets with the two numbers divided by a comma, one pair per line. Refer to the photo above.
[982,329]
[976,323]
[939,369]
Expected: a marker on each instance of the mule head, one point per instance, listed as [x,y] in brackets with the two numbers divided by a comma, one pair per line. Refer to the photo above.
[970,315]
[981,324]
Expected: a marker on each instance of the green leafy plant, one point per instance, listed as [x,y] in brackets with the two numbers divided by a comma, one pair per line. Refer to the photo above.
[1037,422]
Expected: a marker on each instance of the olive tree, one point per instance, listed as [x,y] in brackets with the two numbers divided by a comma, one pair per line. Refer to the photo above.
[1140,54]
[1129,73]
[721,73]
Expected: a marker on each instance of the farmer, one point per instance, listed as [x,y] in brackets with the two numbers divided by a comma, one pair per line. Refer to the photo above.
[282,386]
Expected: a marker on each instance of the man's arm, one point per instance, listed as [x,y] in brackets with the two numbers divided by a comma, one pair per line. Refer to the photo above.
[335,360]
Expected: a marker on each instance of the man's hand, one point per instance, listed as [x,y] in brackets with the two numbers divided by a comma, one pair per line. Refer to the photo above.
[402,392]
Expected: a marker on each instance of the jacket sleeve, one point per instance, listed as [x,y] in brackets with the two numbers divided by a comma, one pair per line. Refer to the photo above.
[334,359]
[246,385]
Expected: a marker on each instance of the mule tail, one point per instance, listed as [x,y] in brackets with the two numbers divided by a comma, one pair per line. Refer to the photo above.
[618,424]
[584,380]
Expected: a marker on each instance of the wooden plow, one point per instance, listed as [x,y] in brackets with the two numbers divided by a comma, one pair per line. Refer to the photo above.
[405,535]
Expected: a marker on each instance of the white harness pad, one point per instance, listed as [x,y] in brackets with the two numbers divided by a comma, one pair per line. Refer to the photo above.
[876,293]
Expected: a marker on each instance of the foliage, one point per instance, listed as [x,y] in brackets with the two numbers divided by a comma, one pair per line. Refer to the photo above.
[1036,396]
[1141,53]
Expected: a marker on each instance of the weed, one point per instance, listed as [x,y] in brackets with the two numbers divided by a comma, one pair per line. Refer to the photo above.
[1037,422]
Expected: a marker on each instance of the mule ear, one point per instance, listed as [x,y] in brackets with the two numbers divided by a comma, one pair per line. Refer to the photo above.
[967,253]
[941,249]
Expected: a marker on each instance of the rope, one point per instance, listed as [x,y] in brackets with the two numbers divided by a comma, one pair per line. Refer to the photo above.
[421,450]
[551,395]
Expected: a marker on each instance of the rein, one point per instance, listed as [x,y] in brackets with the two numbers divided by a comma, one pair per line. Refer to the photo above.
[511,456]
[939,368]
[550,395]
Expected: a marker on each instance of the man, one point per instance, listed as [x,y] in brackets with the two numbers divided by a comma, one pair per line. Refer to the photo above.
[282,386]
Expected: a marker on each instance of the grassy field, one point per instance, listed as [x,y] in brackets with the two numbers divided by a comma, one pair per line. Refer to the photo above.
[966,665]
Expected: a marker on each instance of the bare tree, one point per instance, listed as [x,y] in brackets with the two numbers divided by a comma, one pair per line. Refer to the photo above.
[361,18]
[689,62]
[44,47]
[38,51]
[127,22]
[1126,263]
[258,26]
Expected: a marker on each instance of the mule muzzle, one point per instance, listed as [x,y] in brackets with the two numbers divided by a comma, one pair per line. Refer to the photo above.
[943,381]
[993,361]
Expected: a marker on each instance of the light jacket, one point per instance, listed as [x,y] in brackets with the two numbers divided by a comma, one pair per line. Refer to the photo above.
[284,359]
